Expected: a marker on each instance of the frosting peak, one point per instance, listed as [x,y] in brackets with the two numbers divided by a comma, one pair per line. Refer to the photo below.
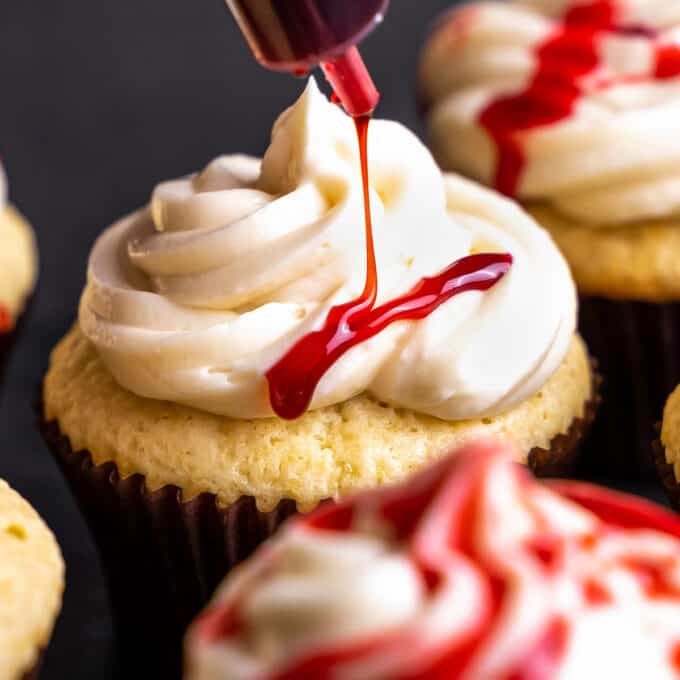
[469,571]
[196,297]
[569,101]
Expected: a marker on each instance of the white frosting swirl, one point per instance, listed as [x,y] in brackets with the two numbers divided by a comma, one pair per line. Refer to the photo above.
[193,299]
[324,590]
[615,159]
[509,561]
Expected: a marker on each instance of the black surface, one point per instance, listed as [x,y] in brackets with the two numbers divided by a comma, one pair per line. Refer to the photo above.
[98,102]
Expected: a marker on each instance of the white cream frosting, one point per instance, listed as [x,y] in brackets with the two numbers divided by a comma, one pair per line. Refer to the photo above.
[324,590]
[616,159]
[193,299]
[311,592]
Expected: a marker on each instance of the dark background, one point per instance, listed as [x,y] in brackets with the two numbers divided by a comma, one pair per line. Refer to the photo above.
[98,102]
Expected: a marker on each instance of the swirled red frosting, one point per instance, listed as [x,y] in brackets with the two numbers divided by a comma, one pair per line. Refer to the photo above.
[482,573]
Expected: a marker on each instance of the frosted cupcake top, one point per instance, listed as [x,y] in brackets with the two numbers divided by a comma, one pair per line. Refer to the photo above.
[194,298]
[470,570]
[575,102]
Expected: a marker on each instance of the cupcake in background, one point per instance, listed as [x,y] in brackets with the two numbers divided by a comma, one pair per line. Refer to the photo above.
[159,403]
[31,586]
[572,106]
[667,449]
[18,269]
[468,570]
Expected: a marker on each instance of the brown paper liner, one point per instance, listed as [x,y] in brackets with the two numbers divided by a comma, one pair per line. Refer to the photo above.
[667,474]
[164,557]
[34,673]
[638,347]
[7,341]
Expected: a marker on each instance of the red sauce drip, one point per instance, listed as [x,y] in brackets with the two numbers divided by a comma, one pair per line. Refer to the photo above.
[335,99]
[543,662]
[596,594]
[675,657]
[569,54]
[293,380]
[548,551]
[667,62]
[218,624]
[655,578]
[6,321]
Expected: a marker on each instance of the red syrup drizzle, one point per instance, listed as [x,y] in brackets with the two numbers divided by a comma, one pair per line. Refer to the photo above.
[675,657]
[6,322]
[293,380]
[564,59]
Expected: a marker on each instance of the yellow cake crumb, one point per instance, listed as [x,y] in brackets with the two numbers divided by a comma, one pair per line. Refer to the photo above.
[670,432]
[31,584]
[636,261]
[326,453]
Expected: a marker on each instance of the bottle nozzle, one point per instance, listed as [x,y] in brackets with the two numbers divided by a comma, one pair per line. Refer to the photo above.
[352,83]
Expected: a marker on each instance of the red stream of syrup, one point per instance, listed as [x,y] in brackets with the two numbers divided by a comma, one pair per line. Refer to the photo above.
[564,59]
[293,380]
[6,322]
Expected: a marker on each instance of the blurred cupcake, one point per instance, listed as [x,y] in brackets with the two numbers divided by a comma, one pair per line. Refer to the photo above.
[469,570]
[161,403]
[573,107]
[18,268]
[668,449]
[31,586]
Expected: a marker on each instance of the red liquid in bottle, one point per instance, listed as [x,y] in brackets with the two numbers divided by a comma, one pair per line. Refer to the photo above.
[564,59]
[293,380]
[295,34]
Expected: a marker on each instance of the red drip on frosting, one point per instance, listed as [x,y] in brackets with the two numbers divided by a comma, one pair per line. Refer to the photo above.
[596,594]
[564,59]
[293,380]
[6,321]
[654,578]
[675,657]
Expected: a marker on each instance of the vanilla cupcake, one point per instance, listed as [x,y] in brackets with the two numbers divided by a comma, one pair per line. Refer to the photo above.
[18,268]
[667,449]
[31,583]
[159,402]
[573,108]
[470,570]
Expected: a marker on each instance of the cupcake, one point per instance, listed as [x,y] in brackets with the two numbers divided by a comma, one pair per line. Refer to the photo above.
[31,583]
[468,570]
[667,449]
[572,107]
[163,404]
[18,267]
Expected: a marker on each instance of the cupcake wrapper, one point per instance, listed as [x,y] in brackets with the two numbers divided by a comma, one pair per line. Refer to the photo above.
[638,348]
[7,341]
[34,673]
[667,474]
[164,557]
